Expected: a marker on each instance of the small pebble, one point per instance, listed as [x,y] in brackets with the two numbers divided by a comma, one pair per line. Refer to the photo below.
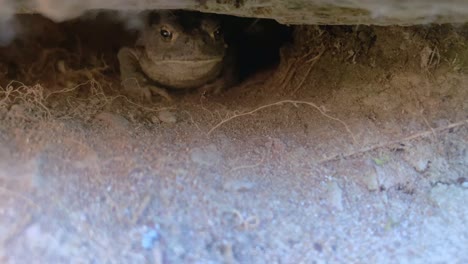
[17,109]
[149,238]
[335,195]
[113,120]
[371,181]
[238,186]
[61,67]
[318,247]
[167,117]
[420,165]
[154,120]
[207,156]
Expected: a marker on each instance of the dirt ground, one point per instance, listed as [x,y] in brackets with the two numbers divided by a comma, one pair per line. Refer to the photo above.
[353,149]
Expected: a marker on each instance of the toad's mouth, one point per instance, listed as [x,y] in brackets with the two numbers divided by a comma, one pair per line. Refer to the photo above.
[184,73]
[191,61]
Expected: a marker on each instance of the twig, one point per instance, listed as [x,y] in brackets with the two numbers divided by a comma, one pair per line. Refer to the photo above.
[426,133]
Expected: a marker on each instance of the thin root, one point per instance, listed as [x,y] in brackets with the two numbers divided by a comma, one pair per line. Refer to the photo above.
[426,133]
[295,103]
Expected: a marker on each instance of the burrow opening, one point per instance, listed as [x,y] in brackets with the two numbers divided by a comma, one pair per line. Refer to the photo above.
[78,59]
[40,48]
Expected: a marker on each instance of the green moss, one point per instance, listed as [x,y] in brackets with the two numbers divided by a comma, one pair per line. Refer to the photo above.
[380,161]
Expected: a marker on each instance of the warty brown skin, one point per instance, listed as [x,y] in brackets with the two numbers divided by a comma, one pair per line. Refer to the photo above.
[177,50]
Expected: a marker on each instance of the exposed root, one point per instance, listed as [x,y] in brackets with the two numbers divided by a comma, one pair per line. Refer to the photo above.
[69,89]
[423,134]
[295,103]
[291,71]
[32,98]
[35,102]
[311,65]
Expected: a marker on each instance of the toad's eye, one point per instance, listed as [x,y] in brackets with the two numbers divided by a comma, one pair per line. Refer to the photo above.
[217,34]
[165,34]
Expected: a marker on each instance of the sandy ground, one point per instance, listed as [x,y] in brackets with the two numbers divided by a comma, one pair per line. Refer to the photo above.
[352,150]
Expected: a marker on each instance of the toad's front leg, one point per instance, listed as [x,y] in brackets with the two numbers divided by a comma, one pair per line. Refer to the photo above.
[134,82]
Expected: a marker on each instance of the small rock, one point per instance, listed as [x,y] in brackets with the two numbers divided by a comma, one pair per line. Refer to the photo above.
[17,110]
[426,54]
[167,117]
[206,156]
[113,120]
[226,250]
[149,238]
[155,120]
[461,180]
[318,247]
[465,184]
[3,110]
[421,165]
[61,67]
[238,186]
[371,181]
[451,200]
[420,157]
[335,195]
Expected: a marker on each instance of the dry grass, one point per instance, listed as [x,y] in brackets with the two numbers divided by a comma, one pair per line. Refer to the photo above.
[30,98]
[35,102]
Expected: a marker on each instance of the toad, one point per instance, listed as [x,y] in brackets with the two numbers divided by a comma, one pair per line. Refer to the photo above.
[177,50]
